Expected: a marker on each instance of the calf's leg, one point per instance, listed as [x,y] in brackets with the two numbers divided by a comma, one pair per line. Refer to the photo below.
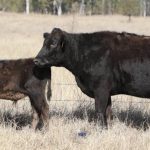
[35,118]
[42,109]
[36,93]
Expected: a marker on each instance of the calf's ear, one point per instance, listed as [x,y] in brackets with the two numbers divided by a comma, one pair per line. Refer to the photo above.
[45,35]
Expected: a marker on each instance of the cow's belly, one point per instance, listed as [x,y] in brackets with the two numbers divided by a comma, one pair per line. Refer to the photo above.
[84,88]
[135,78]
[9,90]
[11,95]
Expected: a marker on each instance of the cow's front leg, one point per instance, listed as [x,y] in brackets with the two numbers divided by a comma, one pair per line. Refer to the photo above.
[102,104]
[109,113]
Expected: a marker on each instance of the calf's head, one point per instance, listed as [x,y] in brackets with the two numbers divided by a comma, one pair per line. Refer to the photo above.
[52,51]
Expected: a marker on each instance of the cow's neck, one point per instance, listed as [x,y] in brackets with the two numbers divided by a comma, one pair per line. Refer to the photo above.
[72,58]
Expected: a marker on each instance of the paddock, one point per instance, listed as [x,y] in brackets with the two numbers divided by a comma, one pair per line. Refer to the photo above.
[70,110]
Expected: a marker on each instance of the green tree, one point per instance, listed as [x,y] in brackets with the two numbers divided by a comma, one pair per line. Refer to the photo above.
[12,5]
[126,7]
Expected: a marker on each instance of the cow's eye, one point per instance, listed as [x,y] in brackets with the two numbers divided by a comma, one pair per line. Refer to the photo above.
[53,45]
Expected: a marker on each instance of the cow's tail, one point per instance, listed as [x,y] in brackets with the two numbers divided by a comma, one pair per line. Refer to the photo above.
[49,92]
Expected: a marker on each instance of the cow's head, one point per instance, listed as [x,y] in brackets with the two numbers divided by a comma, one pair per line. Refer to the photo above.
[52,51]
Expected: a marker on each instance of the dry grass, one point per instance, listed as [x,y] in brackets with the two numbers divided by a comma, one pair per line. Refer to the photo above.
[21,36]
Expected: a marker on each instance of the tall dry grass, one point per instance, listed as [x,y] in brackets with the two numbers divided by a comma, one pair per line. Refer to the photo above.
[21,36]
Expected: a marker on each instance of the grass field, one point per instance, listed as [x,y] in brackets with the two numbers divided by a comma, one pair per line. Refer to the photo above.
[21,37]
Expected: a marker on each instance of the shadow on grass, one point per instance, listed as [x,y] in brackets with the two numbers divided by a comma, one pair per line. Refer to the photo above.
[18,120]
[131,117]
[134,118]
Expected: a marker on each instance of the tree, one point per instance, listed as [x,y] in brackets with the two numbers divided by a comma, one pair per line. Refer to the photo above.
[27,7]
[59,7]
[82,8]
[103,6]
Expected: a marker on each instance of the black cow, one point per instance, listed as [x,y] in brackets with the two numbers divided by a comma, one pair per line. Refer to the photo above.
[21,78]
[104,64]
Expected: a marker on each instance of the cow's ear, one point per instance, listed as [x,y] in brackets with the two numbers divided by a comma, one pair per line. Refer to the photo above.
[63,46]
[63,41]
[45,35]
[57,33]
[60,36]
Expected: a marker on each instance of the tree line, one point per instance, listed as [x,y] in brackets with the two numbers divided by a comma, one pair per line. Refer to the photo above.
[82,7]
